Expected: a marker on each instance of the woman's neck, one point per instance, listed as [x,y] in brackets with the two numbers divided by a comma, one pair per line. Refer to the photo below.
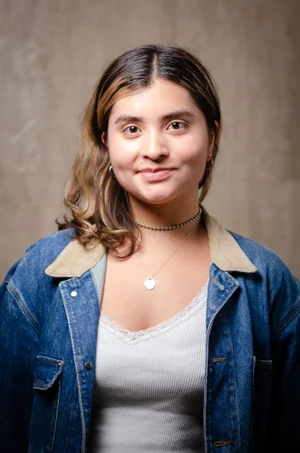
[166,214]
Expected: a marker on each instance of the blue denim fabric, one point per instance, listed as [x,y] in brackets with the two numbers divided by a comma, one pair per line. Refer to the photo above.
[48,330]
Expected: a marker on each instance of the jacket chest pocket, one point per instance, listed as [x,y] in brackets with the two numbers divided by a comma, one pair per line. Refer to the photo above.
[262,387]
[44,414]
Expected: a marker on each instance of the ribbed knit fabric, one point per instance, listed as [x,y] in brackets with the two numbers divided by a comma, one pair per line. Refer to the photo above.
[149,385]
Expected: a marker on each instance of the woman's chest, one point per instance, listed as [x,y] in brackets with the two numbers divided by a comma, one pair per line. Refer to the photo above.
[128,301]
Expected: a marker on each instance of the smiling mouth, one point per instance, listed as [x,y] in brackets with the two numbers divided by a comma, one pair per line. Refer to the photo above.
[156,174]
[155,170]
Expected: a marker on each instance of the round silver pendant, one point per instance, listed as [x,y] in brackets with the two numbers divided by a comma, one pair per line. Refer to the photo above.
[149,283]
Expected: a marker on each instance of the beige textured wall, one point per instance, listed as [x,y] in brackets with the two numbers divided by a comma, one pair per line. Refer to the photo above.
[51,55]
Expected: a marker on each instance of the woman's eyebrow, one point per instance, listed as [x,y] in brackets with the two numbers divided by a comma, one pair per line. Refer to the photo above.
[128,119]
[183,113]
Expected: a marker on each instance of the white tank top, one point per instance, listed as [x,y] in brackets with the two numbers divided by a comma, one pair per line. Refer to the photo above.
[149,385]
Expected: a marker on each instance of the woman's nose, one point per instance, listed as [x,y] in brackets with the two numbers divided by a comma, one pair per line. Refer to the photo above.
[155,147]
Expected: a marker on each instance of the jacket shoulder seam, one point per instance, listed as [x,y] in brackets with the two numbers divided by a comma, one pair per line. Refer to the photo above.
[286,320]
[17,297]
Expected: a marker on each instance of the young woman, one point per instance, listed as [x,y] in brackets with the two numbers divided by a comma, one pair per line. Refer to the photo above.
[143,325]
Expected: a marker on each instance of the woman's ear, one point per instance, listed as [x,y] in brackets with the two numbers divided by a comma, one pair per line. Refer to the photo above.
[103,138]
[213,139]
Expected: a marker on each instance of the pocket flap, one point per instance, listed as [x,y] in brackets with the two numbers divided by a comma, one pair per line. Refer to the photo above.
[47,370]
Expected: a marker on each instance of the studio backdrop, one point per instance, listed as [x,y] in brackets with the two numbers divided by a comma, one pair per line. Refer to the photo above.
[52,53]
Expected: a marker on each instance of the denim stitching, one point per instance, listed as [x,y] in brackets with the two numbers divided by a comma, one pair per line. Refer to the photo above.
[231,284]
[71,328]
[286,321]
[236,402]
[17,297]
[56,417]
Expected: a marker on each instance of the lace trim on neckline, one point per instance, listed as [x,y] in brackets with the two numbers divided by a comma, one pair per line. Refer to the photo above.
[198,301]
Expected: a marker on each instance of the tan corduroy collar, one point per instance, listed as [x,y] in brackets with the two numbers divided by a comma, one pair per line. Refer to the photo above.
[225,252]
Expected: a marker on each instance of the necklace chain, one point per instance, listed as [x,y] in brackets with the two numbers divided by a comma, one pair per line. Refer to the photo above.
[170,227]
[150,282]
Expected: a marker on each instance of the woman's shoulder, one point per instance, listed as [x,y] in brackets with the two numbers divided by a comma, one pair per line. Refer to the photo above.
[26,282]
[257,253]
[51,245]
[265,259]
[239,253]
[272,271]
[274,280]
[46,249]
[40,254]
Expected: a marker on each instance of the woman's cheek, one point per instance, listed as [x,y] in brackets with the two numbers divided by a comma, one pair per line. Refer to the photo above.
[191,152]
[128,150]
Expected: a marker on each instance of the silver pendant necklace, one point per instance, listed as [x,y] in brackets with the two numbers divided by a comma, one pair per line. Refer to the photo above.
[150,283]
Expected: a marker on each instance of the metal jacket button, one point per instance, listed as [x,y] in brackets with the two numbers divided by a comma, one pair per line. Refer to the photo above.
[88,365]
[74,293]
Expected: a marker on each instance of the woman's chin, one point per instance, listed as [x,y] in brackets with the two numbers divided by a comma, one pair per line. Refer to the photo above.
[162,195]
[155,199]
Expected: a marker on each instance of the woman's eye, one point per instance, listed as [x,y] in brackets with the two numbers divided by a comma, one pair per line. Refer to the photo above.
[177,125]
[131,130]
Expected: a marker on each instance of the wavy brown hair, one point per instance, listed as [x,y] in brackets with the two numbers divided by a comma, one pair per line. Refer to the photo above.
[97,205]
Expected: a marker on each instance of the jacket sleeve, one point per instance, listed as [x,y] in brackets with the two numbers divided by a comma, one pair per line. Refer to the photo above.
[284,426]
[18,348]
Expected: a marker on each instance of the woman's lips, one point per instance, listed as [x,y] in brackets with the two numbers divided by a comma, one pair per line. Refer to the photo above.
[158,174]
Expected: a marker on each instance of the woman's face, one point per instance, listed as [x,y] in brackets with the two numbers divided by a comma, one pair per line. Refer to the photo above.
[158,143]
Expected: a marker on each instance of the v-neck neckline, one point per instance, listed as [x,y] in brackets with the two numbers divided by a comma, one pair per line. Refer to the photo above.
[197,302]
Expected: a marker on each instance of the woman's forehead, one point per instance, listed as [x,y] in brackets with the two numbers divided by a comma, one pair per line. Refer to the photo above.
[161,97]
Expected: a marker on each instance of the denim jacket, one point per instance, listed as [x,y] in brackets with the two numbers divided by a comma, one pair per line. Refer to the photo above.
[49,313]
